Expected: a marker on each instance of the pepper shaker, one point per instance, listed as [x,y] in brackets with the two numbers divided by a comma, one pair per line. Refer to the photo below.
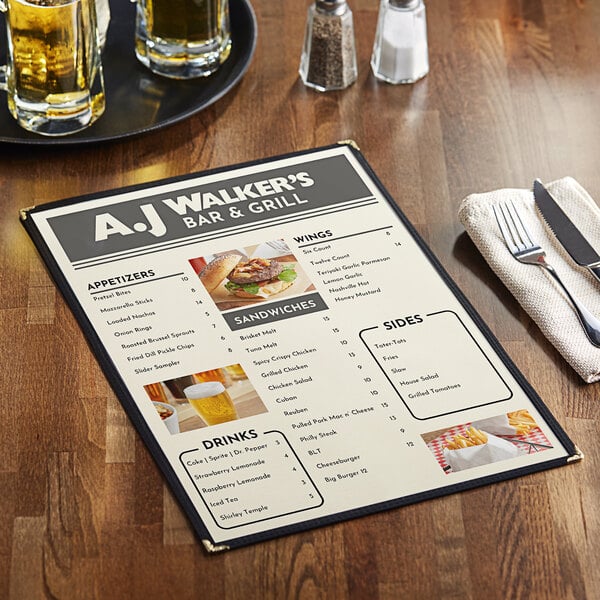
[328,59]
[400,53]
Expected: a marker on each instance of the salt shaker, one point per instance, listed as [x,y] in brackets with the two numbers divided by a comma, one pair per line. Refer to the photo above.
[400,52]
[329,54]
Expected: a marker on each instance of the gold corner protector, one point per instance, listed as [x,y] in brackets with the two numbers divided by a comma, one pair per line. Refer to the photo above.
[212,548]
[351,143]
[577,456]
[24,212]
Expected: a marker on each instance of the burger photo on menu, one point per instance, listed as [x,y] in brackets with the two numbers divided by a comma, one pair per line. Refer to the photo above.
[254,274]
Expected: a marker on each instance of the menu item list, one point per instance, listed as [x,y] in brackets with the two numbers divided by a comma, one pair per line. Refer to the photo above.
[281,377]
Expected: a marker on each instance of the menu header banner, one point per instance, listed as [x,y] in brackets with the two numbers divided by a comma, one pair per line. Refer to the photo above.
[196,207]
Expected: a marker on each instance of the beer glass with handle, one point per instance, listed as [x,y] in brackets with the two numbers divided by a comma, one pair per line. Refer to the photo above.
[53,76]
[182,39]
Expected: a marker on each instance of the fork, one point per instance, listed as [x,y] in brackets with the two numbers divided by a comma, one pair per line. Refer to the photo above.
[524,249]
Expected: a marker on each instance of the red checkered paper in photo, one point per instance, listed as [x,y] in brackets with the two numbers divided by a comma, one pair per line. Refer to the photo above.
[534,441]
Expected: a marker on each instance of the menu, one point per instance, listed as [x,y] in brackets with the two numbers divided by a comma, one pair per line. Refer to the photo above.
[287,346]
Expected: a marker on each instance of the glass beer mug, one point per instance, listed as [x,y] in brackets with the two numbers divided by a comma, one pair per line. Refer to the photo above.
[212,402]
[53,76]
[182,39]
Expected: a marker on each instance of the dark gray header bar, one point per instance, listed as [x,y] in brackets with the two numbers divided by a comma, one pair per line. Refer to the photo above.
[202,208]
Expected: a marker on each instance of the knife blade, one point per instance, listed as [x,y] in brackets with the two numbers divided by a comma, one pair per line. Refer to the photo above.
[572,240]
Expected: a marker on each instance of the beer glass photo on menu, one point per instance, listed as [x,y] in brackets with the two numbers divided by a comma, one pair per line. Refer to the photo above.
[205,398]
[182,39]
[53,76]
[212,402]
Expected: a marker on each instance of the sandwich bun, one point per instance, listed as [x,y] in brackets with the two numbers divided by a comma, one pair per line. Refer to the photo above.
[266,289]
[217,270]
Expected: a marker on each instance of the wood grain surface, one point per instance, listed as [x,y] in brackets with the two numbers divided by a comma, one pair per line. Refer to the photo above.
[513,94]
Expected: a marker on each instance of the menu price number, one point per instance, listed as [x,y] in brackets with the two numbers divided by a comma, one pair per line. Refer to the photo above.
[343,341]
[373,391]
[393,417]
[347,475]
[408,443]
[303,481]
[396,242]
[222,338]
[386,405]
[185,279]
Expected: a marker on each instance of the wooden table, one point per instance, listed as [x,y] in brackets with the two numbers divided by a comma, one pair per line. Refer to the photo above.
[513,94]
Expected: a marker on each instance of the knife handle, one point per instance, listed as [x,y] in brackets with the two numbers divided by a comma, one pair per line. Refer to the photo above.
[595,271]
[589,322]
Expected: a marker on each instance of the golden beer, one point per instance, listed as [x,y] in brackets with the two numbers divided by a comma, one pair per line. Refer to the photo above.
[212,375]
[183,38]
[156,392]
[195,22]
[212,402]
[236,372]
[54,78]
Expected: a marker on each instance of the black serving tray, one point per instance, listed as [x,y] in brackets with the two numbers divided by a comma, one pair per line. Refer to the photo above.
[138,101]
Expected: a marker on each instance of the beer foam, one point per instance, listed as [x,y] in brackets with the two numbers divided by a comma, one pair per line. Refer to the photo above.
[204,390]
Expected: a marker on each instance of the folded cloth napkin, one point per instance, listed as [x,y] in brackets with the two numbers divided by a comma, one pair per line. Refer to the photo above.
[533,286]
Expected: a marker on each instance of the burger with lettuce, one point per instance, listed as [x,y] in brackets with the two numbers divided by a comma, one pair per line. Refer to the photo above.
[255,278]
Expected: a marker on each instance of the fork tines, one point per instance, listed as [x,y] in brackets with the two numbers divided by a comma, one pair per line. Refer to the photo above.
[512,227]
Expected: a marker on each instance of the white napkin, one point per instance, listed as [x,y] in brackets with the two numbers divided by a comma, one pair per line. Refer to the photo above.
[533,286]
[498,425]
[492,451]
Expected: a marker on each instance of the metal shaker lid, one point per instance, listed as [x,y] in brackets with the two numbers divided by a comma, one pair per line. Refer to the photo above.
[405,4]
[334,7]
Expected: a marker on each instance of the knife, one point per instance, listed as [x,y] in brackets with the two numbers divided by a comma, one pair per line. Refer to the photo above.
[563,228]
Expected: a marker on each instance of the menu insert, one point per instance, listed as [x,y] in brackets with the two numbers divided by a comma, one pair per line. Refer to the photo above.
[289,348]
